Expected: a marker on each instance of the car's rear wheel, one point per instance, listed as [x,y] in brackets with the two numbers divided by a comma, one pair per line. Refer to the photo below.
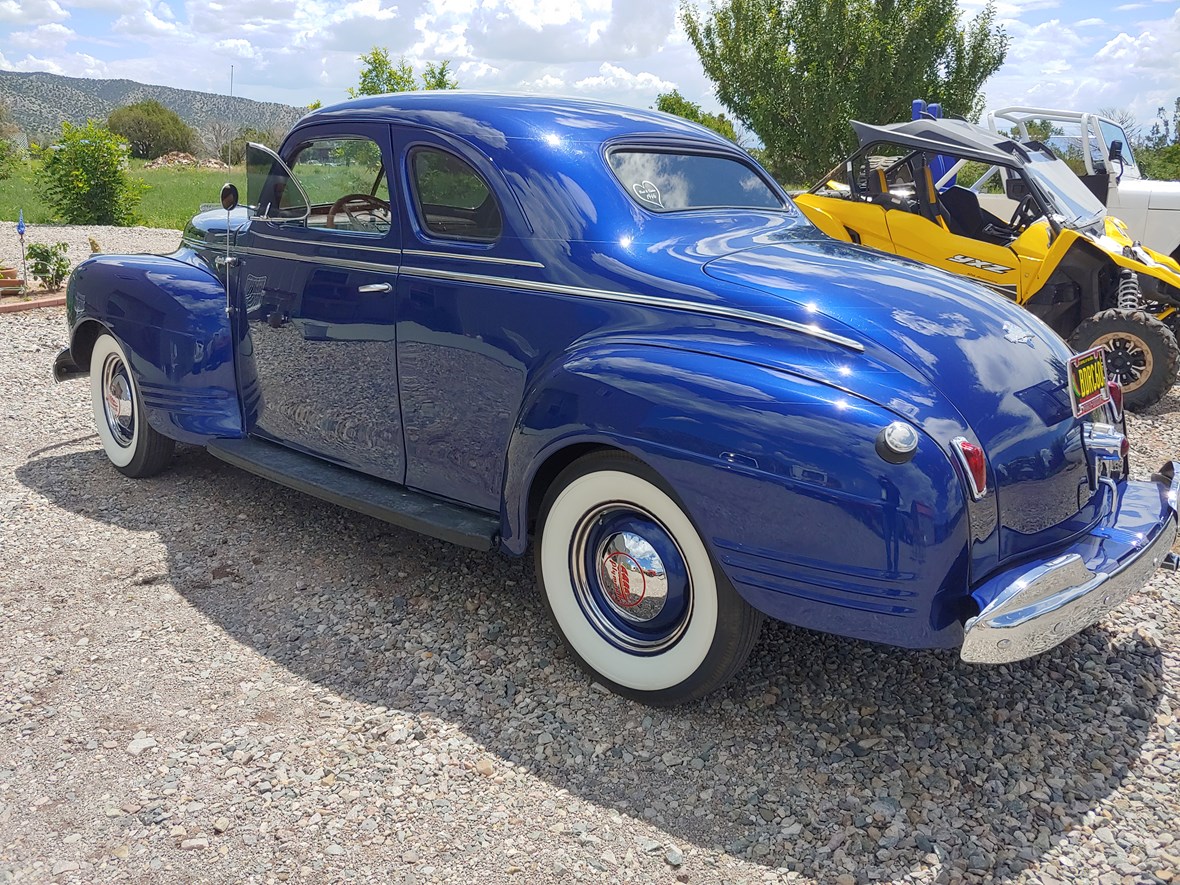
[632,588]
[1140,352]
[130,443]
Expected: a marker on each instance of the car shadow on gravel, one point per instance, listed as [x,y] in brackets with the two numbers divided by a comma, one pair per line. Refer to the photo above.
[824,755]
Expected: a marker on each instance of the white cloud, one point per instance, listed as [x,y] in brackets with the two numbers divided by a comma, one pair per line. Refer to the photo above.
[143,23]
[25,13]
[614,79]
[42,37]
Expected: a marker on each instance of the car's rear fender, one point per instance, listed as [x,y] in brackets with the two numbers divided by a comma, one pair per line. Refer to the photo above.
[170,317]
[781,476]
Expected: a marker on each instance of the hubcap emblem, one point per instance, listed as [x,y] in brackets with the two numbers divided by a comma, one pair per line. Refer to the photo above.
[632,576]
[624,580]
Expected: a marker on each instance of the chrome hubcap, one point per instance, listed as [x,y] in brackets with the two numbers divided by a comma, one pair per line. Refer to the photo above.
[630,578]
[632,575]
[118,403]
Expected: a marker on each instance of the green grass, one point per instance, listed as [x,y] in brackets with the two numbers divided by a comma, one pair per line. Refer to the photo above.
[172,198]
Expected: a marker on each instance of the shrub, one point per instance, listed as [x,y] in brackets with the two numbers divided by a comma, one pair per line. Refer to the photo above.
[49,263]
[151,129]
[84,178]
[8,158]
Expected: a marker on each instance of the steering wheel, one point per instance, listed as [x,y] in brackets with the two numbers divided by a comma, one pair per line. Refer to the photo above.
[1026,213]
[350,203]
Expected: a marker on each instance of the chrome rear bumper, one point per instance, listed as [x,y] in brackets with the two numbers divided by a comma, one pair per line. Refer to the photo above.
[1043,604]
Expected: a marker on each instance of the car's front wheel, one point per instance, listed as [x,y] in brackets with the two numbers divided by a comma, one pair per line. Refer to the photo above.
[1140,352]
[131,444]
[632,588]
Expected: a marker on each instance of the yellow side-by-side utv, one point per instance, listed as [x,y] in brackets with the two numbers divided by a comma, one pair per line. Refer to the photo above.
[1014,217]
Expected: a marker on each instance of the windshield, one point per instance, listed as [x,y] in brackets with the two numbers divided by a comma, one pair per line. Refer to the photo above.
[1064,191]
[666,182]
[1112,132]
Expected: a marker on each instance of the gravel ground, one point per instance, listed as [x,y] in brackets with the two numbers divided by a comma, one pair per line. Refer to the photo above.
[208,678]
[124,240]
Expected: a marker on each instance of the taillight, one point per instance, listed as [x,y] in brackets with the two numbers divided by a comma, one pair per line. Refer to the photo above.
[1116,398]
[974,463]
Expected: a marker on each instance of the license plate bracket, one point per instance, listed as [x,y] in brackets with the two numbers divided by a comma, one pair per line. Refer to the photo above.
[1087,381]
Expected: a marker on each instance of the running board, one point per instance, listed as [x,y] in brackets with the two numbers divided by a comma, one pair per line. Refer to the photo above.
[347,488]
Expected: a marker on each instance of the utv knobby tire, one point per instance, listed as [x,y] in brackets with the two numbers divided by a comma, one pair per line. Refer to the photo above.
[1133,340]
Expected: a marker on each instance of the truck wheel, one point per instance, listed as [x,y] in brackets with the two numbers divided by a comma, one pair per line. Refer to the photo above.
[1141,352]
[131,444]
[632,588]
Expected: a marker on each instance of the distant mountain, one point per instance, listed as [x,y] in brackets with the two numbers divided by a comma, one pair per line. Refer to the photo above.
[40,102]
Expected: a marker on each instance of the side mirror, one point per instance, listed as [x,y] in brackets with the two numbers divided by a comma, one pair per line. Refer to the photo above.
[1015,188]
[229,197]
[1116,151]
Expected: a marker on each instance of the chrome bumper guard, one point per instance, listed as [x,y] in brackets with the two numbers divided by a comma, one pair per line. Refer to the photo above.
[1054,600]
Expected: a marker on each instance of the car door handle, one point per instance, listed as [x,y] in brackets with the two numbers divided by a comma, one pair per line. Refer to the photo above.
[375,287]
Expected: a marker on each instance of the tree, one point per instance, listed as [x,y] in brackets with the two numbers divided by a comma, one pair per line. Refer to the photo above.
[380,75]
[1126,119]
[8,151]
[151,129]
[675,103]
[794,72]
[1159,154]
[218,135]
[83,177]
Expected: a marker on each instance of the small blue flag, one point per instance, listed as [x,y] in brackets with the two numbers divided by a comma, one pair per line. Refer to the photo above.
[20,223]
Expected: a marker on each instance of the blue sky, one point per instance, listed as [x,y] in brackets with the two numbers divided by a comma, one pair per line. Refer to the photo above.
[1080,54]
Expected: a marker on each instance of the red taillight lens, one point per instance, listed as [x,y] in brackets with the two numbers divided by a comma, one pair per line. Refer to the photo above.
[1116,398]
[972,458]
[1124,448]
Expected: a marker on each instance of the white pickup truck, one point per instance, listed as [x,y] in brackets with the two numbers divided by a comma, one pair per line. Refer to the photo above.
[1149,208]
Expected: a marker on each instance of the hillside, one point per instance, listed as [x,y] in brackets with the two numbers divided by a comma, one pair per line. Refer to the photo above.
[40,102]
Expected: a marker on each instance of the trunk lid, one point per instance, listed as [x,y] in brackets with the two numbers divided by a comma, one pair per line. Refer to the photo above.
[1002,369]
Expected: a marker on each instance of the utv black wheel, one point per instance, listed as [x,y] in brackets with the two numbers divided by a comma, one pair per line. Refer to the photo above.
[1141,353]
[632,588]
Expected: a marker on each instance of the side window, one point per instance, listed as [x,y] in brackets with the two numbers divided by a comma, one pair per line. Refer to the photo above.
[451,198]
[346,185]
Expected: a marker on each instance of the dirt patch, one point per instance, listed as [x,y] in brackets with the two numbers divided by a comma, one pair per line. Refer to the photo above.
[180,160]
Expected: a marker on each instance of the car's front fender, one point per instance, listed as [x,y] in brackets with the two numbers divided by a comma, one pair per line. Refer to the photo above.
[170,317]
[781,476]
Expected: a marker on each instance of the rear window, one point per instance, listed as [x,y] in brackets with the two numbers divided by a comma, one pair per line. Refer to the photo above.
[664,181]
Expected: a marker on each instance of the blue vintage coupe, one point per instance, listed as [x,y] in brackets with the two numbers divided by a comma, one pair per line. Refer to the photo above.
[502,318]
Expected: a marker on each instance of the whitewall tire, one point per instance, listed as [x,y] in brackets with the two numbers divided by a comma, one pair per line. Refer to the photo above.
[130,443]
[632,588]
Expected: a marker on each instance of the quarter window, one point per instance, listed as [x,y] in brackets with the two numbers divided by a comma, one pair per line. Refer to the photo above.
[452,200]
[665,181]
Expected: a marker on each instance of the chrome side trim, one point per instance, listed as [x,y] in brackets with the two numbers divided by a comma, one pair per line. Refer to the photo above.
[487,259]
[320,259]
[728,313]
[384,250]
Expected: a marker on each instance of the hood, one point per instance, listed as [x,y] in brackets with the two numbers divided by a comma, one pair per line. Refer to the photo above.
[208,228]
[1001,368]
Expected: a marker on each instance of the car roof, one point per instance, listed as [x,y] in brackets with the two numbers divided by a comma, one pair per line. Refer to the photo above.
[956,137]
[495,117]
